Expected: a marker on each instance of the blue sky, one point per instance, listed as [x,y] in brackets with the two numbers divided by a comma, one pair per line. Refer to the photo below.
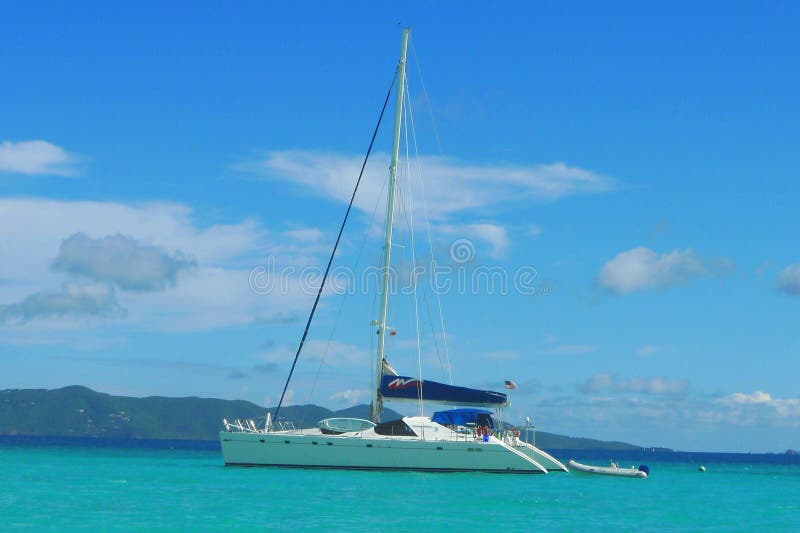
[642,161]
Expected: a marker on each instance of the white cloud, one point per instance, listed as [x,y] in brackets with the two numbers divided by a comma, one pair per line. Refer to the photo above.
[451,186]
[642,268]
[606,382]
[758,408]
[534,231]
[72,300]
[305,234]
[36,157]
[596,383]
[349,395]
[648,349]
[495,236]
[652,385]
[789,280]
[739,398]
[572,349]
[121,260]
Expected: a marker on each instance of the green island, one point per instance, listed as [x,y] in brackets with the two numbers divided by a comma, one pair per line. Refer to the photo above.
[77,411]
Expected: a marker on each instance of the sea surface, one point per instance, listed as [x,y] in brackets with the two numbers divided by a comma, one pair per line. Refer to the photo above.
[89,484]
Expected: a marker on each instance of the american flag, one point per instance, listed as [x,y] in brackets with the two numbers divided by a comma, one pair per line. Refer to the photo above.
[511,385]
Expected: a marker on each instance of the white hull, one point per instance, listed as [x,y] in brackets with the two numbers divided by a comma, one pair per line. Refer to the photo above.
[606,470]
[444,451]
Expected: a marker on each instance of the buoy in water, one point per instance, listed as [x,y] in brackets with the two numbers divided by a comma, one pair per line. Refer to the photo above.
[701,469]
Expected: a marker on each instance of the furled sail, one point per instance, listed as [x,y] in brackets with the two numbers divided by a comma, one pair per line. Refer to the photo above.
[408,388]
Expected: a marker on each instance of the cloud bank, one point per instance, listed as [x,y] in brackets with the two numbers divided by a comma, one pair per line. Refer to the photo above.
[158,263]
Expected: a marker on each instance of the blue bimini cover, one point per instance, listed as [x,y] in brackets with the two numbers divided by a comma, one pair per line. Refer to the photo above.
[407,388]
[462,417]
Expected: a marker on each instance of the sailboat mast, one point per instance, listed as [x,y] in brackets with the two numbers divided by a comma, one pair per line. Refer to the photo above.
[377,404]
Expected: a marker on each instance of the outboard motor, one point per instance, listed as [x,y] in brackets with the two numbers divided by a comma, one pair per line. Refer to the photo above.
[645,469]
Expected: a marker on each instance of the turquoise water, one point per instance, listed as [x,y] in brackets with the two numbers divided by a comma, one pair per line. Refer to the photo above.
[65,488]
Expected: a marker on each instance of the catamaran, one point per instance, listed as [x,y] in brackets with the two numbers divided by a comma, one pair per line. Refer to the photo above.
[464,439]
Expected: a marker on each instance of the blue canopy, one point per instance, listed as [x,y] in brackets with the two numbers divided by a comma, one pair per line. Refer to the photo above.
[462,417]
[408,388]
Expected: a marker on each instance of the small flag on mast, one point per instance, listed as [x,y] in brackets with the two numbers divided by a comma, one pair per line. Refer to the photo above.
[511,385]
